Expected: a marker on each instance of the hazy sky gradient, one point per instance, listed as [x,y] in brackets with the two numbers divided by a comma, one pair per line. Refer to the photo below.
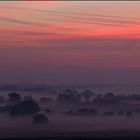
[70,42]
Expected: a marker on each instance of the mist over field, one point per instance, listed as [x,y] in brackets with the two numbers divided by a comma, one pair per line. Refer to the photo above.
[94,111]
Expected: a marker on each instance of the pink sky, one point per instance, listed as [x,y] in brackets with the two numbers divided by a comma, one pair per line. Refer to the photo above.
[70,42]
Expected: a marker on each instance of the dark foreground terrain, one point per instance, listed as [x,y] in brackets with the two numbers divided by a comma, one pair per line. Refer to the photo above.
[69,115]
[118,134]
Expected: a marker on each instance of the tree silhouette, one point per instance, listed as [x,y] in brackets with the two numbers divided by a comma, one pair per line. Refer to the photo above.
[26,107]
[108,113]
[129,113]
[87,111]
[69,96]
[1,99]
[109,95]
[46,100]
[14,97]
[40,118]
[87,94]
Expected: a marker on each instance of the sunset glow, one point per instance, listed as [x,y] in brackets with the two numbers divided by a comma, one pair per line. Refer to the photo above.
[69,42]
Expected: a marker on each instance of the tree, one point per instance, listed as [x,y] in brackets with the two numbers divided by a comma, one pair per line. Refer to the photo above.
[47,110]
[108,113]
[7,108]
[120,112]
[1,99]
[87,94]
[40,118]
[1,109]
[26,107]
[28,98]
[14,97]
[129,113]
[69,96]
[87,111]
[109,95]
[46,100]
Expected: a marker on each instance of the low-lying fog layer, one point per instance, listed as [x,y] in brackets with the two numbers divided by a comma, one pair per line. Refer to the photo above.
[61,124]
[81,116]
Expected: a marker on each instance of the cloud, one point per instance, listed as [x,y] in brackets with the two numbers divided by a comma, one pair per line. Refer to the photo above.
[7,19]
[80,17]
[90,18]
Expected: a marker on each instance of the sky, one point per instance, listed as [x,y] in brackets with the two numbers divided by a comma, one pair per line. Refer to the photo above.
[72,42]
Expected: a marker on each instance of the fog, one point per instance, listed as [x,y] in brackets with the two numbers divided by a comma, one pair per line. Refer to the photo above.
[62,123]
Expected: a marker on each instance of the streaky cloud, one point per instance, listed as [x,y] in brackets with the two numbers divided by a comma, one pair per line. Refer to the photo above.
[7,19]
